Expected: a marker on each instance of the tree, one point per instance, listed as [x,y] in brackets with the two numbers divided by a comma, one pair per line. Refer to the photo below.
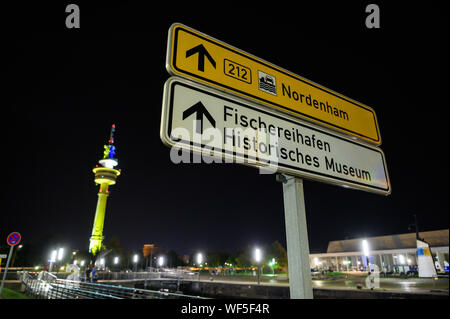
[243,258]
[277,251]
[217,259]
[174,260]
[115,246]
[116,250]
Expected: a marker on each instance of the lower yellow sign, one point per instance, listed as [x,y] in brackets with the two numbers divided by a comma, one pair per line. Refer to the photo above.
[197,56]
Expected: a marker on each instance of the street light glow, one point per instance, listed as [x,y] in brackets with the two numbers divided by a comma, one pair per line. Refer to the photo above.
[53,256]
[272,262]
[60,253]
[135,258]
[161,261]
[258,255]
[365,246]
[199,258]
[116,260]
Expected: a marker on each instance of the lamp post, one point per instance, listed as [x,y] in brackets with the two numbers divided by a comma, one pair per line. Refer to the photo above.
[258,257]
[102,263]
[60,257]
[161,261]
[365,246]
[199,262]
[53,256]
[272,265]
[135,260]
[60,254]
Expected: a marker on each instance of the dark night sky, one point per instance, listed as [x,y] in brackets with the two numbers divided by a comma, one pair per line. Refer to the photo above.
[66,87]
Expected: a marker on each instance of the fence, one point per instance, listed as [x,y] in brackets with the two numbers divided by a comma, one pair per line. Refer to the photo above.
[48,286]
[147,275]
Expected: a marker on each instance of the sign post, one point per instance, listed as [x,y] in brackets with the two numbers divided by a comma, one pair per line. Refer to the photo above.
[13,239]
[273,128]
[300,282]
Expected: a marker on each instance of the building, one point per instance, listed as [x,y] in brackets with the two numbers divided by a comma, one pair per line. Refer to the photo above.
[150,251]
[392,253]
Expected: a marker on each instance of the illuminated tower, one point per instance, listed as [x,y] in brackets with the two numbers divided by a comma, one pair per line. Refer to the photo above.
[105,175]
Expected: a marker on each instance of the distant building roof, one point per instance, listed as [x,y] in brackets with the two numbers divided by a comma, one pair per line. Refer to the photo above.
[435,238]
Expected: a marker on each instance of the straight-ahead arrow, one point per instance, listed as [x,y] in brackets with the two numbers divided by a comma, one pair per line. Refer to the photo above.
[202,52]
[201,110]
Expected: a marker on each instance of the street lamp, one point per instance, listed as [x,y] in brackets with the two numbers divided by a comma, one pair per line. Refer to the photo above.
[258,257]
[199,262]
[160,261]
[365,247]
[52,260]
[116,260]
[60,254]
[272,265]
[135,260]
[199,259]
[102,263]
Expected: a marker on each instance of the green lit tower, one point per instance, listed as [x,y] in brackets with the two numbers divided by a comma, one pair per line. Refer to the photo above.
[105,175]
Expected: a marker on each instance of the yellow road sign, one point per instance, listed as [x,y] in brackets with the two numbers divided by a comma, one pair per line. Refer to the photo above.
[197,56]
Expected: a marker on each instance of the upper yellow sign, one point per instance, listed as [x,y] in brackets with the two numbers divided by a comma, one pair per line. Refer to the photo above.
[195,55]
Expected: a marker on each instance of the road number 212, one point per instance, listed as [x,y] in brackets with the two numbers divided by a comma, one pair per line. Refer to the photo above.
[237,71]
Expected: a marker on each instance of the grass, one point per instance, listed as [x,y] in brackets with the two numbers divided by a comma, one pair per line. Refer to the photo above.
[335,274]
[12,294]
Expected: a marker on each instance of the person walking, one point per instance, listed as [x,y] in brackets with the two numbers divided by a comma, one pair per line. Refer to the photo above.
[94,274]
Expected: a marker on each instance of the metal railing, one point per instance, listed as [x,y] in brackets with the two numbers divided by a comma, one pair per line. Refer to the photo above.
[165,273]
[48,286]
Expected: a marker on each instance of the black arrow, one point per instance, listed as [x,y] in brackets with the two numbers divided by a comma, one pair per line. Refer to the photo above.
[200,49]
[201,110]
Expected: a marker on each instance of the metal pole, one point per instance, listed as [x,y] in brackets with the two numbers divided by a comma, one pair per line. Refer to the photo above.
[6,269]
[259,274]
[300,281]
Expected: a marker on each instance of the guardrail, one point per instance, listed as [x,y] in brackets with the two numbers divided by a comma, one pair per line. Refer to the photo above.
[48,286]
